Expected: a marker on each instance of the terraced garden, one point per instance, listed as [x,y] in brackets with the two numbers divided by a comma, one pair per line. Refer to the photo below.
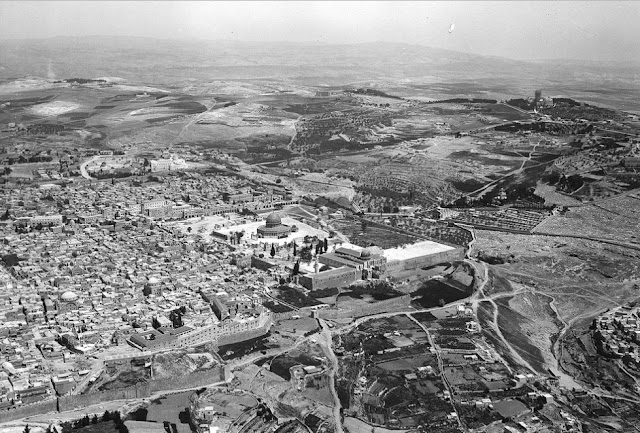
[507,219]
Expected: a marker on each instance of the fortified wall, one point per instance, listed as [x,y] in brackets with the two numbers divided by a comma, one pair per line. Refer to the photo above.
[70,402]
[303,312]
[141,390]
[231,331]
[375,308]
[239,337]
[193,380]
[38,408]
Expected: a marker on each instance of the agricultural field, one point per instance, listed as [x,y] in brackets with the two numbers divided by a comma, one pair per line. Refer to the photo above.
[371,388]
[406,364]
[140,118]
[508,219]
[383,385]
[452,334]
[381,334]
[355,425]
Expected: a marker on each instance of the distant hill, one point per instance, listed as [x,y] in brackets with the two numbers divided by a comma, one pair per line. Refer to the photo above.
[180,62]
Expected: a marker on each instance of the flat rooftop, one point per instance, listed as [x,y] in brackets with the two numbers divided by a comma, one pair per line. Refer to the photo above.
[334,271]
[415,250]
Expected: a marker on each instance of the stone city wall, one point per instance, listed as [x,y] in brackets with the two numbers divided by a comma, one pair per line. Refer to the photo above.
[22,411]
[371,309]
[239,337]
[141,390]
[70,402]
[303,312]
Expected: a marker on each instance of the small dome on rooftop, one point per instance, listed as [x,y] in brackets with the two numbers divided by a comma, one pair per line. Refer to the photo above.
[366,253]
[68,297]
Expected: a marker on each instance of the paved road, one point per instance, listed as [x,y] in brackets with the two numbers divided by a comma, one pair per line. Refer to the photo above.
[83,166]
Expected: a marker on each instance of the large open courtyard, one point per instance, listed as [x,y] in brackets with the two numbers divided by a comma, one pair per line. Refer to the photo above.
[204,226]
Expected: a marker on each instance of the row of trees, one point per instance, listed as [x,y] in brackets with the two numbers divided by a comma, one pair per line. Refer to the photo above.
[496,198]
[23,160]
[305,253]
[68,426]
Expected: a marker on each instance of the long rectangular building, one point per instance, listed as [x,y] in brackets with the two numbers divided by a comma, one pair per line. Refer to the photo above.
[339,277]
[420,255]
[237,330]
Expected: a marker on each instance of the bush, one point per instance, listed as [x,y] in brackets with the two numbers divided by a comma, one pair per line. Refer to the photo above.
[324,293]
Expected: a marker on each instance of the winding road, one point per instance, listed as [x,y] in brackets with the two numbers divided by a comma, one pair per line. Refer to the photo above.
[445,380]
[195,118]
[511,173]
[83,166]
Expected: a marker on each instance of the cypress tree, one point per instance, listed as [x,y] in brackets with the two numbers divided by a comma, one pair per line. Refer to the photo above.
[296,268]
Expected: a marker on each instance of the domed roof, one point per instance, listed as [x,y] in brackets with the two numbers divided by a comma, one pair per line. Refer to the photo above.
[366,253]
[68,297]
[273,219]
[153,280]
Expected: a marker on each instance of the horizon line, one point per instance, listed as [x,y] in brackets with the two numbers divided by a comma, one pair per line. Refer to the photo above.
[322,43]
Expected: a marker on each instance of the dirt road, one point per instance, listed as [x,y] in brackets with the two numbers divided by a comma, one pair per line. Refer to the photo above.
[326,342]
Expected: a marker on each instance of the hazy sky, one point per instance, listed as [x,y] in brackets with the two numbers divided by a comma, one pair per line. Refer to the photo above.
[605,30]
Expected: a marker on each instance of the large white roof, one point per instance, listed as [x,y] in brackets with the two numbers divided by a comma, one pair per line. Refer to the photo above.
[415,250]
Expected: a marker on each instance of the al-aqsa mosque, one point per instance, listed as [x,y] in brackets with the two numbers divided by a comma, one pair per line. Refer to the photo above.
[273,228]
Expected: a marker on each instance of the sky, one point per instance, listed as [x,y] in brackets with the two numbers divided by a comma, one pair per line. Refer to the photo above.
[523,30]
